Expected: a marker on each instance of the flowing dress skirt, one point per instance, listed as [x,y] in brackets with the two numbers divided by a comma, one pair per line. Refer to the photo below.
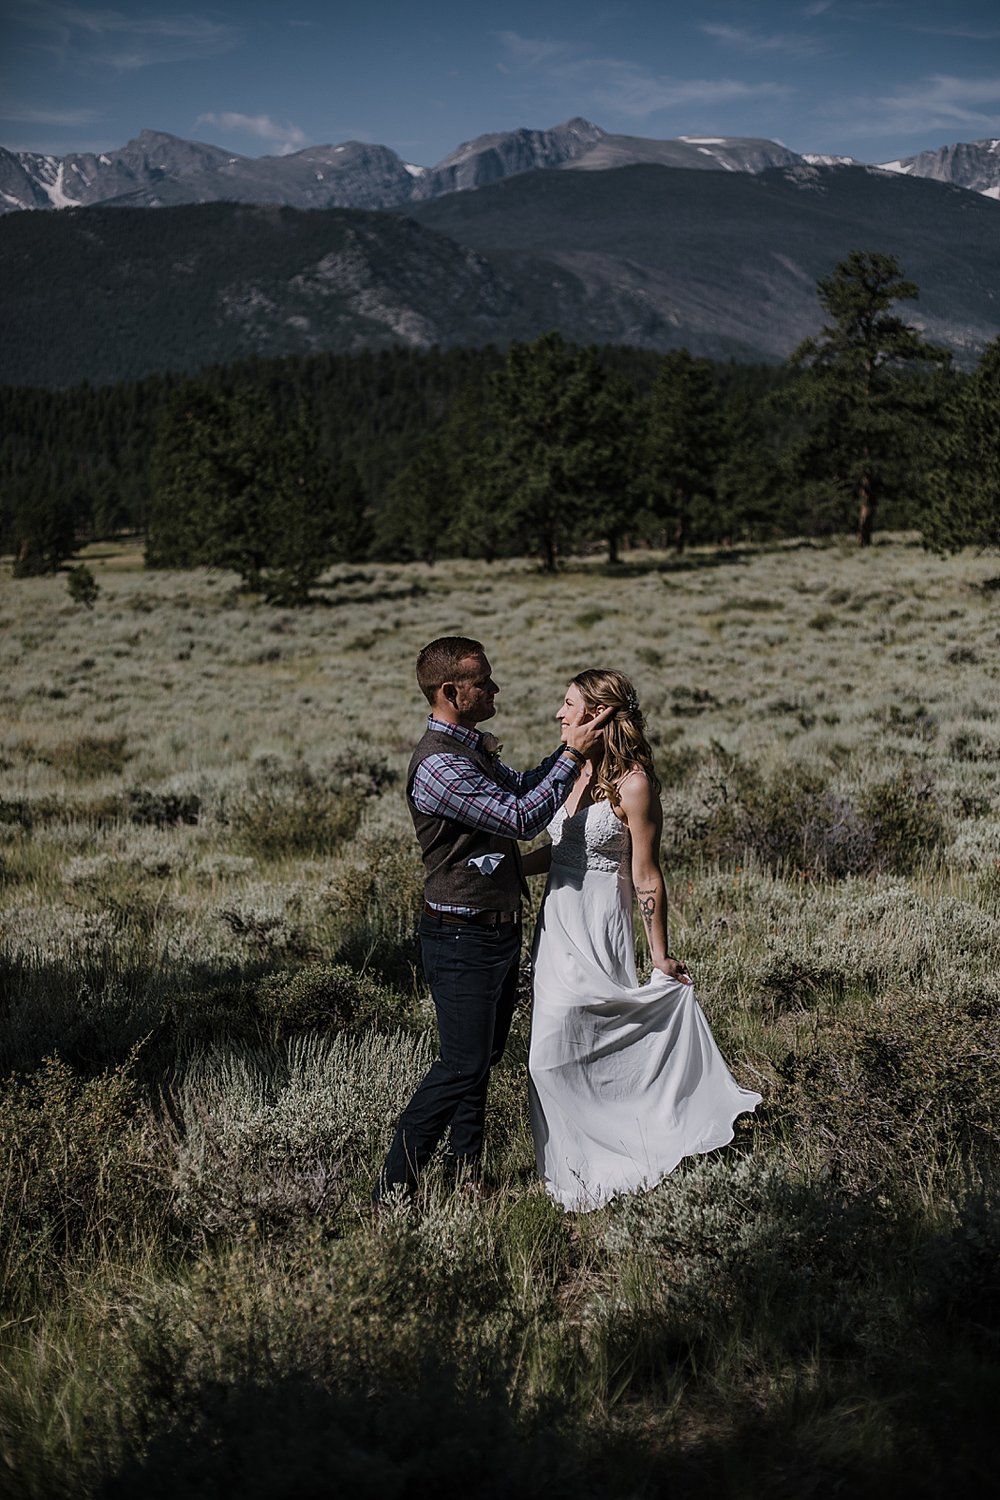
[625,1079]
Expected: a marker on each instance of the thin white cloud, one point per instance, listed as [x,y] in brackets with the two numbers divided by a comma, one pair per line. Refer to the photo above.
[283,138]
[618,84]
[964,33]
[535,52]
[634,92]
[943,103]
[88,36]
[784,43]
[65,117]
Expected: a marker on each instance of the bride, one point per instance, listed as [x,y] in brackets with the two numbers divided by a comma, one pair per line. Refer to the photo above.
[625,1079]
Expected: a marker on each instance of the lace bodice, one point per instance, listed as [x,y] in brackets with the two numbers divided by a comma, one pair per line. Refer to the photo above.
[592,838]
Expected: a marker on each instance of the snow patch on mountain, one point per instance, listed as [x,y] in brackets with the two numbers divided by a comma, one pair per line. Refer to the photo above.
[56,191]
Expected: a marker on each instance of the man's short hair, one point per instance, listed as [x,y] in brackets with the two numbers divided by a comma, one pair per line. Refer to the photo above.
[442,660]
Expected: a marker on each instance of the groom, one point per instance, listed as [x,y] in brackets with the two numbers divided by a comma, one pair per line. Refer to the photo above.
[469,810]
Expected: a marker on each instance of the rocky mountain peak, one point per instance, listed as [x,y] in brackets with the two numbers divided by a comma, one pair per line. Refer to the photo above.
[157,169]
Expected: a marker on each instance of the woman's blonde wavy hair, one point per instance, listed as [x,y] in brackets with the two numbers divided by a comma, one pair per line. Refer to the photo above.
[625,742]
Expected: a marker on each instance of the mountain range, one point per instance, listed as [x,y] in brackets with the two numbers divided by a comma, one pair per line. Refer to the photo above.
[158,170]
[173,255]
[724,263]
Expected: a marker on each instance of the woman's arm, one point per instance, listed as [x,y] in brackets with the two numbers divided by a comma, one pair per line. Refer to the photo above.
[641,806]
[538,861]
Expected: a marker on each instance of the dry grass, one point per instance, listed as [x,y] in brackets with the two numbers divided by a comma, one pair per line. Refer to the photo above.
[190,1302]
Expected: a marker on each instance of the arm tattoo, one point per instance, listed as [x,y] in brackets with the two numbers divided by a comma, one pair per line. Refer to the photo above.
[647,907]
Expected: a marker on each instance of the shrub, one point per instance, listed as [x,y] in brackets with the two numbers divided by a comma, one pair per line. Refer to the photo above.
[72,1166]
[958,1269]
[971,746]
[82,587]
[158,807]
[267,1139]
[27,813]
[737,1244]
[269,930]
[361,1366]
[298,809]
[377,898]
[689,702]
[793,980]
[366,1433]
[385,877]
[792,820]
[298,816]
[327,997]
[888,1098]
[905,818]
[269,1010]
[89,756]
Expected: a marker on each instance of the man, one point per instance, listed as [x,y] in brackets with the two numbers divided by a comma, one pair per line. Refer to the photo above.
[469,810]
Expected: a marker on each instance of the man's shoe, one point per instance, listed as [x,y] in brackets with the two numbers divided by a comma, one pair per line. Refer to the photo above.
[460,1174]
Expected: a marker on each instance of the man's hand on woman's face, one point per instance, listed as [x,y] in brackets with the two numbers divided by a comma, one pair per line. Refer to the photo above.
[584,737]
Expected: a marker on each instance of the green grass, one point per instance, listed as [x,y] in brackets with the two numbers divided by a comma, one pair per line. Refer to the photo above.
[212,1009]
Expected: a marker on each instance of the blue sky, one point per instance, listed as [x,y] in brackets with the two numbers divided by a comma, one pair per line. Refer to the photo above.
[875,80]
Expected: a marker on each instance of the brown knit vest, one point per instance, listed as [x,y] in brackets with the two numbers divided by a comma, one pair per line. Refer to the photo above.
[447,845]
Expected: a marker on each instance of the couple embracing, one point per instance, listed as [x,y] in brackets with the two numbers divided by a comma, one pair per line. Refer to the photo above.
[624,1079]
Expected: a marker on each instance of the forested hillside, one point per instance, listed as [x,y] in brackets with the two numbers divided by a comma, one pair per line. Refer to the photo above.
[721,263]
[277,468]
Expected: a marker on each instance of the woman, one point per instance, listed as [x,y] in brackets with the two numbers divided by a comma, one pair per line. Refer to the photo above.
[625,1080]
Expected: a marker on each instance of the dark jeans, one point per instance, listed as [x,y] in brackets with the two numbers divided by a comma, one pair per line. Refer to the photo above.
[472,972]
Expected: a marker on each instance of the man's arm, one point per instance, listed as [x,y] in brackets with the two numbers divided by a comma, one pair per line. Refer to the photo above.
[520,782]
[451,786]
[537,861]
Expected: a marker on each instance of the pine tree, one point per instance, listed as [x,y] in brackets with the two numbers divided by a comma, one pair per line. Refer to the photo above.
[866,413]
[559,463]
[963,504]
[683,447]
[749,497]
[183,480]
[418,508]
[42,528]
[236,486]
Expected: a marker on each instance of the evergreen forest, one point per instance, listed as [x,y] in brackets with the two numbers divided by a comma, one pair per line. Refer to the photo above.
[278,468]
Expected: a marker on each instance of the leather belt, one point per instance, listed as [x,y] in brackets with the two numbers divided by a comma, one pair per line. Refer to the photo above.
[474,919]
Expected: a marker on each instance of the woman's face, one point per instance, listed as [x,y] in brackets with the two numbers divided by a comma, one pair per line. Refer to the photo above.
[573,710]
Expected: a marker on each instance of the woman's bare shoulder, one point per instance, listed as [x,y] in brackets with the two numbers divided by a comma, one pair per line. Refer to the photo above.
[636,792]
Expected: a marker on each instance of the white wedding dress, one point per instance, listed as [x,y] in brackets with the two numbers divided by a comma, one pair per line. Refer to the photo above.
[625,1079]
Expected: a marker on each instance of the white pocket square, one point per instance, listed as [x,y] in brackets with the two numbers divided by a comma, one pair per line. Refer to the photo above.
[486,863]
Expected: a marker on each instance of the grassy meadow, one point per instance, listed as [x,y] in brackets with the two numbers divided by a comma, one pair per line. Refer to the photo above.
[212,1011]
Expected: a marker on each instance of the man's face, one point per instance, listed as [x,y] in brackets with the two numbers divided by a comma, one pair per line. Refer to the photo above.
[472,691]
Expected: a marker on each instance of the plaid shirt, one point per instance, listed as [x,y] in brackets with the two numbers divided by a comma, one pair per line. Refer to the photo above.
[517,805]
